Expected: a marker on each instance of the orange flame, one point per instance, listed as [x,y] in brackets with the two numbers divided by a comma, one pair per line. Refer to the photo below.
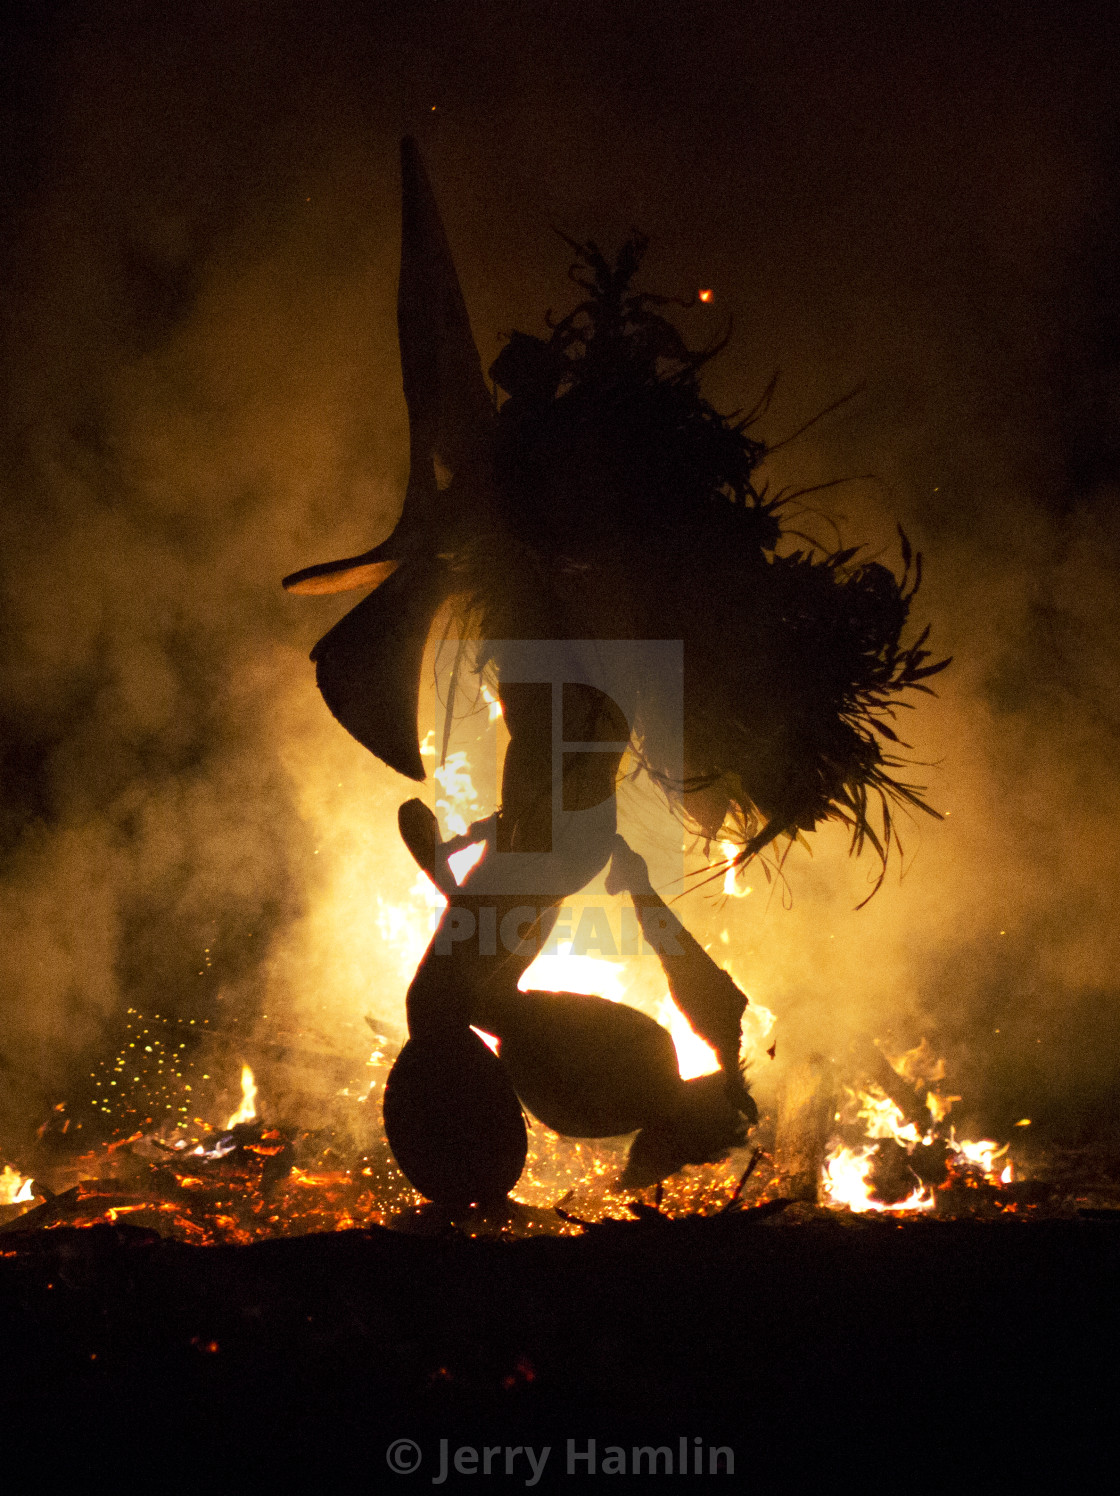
[247,1111]
[14,1189]
[846,1178]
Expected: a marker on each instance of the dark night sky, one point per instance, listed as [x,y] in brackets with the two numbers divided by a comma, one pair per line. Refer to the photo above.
[201,393]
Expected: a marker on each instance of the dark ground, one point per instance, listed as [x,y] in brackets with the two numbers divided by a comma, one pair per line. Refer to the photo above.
[961,1355]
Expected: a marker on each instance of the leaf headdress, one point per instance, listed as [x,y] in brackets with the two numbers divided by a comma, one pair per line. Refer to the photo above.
[795,664]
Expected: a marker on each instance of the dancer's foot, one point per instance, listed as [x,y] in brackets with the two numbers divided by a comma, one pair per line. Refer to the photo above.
[704,1129]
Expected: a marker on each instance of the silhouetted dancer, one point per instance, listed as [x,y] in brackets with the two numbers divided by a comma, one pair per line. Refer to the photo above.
[591,1068]
[599,498]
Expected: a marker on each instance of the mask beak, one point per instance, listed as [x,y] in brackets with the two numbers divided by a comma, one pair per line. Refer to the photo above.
[368,666]
[450,415]
[369,570]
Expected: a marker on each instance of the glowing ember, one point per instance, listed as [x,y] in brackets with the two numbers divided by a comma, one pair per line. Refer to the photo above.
[262,1183]
[705,295]
[247,1111]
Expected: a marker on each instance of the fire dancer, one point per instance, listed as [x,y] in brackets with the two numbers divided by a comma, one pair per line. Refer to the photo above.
[602,499]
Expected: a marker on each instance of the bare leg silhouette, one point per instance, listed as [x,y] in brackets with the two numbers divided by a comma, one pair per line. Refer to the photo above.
[585,1066]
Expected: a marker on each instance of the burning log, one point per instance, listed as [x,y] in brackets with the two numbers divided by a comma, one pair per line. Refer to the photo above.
[901,1154]
[891,1178]
[908,1097]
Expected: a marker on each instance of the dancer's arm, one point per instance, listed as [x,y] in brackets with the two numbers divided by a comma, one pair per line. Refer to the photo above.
[705,993]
